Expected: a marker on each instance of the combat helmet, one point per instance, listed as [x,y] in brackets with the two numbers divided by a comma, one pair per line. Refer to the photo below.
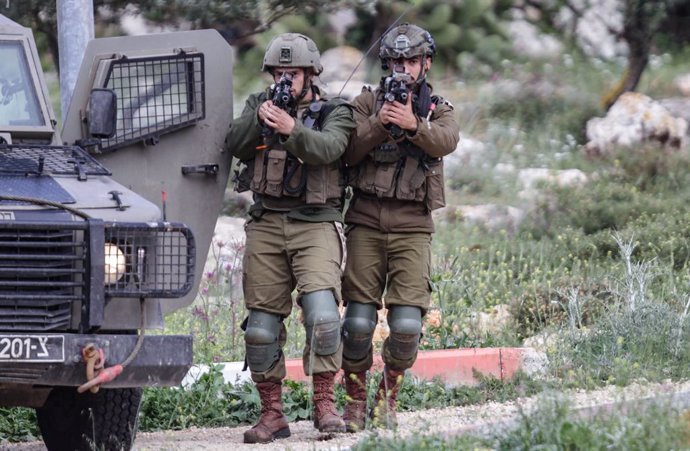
[292,50]
[406,41]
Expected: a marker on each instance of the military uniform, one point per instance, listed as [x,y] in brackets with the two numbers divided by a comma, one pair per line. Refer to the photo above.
[397,181]
[294,239]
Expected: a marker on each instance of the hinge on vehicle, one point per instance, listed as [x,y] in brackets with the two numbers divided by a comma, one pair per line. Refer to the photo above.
[89,144]
[79,168]
[206,169]
[115,195]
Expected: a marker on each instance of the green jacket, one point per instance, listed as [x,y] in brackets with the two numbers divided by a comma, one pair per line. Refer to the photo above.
[313,147]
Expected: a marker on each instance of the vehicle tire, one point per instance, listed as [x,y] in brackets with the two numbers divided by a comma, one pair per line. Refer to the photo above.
[106,420]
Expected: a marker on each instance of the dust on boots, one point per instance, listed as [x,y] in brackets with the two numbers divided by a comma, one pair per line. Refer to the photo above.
[326,416]
[272,423]
[382,413]
[355,414]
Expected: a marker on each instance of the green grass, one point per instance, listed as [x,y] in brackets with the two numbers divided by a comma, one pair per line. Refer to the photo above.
[553,426]
[618,313]
[18,424]
[603,268]
[211,402]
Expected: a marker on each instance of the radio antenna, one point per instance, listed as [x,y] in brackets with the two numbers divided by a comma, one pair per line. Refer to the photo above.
[372,46]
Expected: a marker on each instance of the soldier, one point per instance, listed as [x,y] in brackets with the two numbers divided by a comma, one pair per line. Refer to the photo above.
[395,163]
[291,139]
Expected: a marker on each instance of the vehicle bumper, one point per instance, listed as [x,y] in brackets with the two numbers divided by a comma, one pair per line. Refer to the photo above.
[163,360]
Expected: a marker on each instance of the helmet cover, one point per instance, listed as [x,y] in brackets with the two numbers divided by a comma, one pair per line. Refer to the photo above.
[292,50]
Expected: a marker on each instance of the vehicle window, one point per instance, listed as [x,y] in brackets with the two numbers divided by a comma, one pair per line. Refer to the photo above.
[155,96]
[18,101]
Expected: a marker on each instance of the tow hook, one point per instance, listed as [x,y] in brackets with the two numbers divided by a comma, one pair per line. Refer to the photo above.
[94,357]
[96,373]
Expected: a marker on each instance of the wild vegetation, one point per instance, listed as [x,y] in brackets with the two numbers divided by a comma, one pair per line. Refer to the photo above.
[599,273]
[552,426]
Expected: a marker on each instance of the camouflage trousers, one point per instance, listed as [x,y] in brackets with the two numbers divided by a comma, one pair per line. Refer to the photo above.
[387,268]
[285,255]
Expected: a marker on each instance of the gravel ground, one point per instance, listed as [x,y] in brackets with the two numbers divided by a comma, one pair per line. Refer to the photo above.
[449,420]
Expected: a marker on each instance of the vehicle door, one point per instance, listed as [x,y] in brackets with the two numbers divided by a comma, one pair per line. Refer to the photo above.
[173,106]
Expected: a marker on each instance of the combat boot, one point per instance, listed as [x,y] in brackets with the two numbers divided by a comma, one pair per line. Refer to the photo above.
[326,417]
[272,423]
[383,412]
[356,407]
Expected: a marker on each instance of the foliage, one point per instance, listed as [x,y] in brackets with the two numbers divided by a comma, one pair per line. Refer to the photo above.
[208,402]
[637,189]
[638,337]
[211,402]
[216,315]
[465,32]
[560,274]
[555,426]
[18,424]
[236,20]
[640,21]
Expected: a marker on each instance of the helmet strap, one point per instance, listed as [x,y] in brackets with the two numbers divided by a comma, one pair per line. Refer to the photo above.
[307,85]
[422,72]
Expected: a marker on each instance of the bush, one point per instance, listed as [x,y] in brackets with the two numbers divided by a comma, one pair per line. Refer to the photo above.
[18,424]
[554,426]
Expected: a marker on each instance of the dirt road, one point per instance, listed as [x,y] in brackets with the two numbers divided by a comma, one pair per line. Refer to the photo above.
[451,420]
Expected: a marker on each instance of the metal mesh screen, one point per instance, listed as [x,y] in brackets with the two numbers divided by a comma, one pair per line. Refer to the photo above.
[155,96]
[51,160]
[149,260]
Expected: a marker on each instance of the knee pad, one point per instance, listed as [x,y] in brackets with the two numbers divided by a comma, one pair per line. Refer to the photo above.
[405,330]
[321,321]
[261,340]
[358,329]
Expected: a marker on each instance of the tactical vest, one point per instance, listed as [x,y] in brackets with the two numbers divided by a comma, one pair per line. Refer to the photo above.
[277,173]
[401,170]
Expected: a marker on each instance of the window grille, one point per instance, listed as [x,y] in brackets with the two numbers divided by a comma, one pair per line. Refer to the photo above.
[155,95]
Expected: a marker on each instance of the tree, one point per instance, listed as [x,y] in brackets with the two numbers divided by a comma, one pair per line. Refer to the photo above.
[237,20]
[40,16]
[641,22]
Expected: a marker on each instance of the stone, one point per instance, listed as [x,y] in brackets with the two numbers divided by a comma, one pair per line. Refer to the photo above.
[634,119]
[492,217]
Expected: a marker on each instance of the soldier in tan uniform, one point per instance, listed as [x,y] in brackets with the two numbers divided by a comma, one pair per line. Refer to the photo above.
[395,167]
[291,139]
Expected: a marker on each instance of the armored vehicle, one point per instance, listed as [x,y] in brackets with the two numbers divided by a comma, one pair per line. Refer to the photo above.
[104,227]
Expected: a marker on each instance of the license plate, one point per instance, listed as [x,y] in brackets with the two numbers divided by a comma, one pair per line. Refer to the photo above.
[32,348]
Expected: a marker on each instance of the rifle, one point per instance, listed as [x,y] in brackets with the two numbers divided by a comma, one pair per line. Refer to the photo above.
[395,89]
[281,96]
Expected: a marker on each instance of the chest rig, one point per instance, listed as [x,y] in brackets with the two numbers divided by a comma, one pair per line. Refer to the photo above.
[277,173]
[402,170]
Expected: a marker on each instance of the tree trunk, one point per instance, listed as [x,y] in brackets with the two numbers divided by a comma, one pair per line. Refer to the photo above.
[637,33]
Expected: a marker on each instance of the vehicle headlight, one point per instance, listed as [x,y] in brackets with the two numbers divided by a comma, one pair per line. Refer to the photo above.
[115,264]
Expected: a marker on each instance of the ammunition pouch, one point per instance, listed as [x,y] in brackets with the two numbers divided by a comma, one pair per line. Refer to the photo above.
[277,173]
[401,172]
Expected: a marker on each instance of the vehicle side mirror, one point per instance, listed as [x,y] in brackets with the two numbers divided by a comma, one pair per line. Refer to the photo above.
[102,113]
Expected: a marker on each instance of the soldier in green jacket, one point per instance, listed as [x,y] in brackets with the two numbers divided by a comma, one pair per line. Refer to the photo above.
[395,166]
[291,140]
